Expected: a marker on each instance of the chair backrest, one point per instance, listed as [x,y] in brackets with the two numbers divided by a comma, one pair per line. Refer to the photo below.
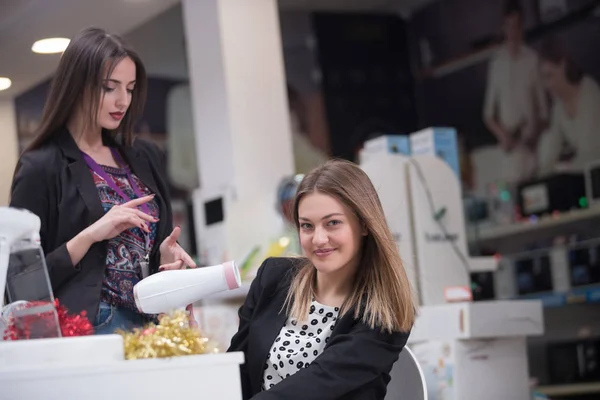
[408,382]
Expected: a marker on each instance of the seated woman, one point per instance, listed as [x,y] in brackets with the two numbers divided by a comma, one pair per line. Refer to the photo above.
[332,324]
[573,139]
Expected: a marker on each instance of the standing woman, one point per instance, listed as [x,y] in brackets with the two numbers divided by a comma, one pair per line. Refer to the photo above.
[102,196]
[332,324]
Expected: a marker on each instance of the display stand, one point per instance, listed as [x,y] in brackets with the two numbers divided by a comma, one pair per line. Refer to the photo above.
[43,365]
[472,351]
[467,350]
[93,368]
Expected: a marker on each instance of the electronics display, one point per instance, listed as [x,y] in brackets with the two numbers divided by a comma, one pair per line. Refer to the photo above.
[533,274]
[213,211]
[561,192]
[584,265]
[574,362]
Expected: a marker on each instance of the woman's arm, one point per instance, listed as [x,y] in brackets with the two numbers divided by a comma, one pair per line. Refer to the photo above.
[239,341]
[79,246]
[118,219]
[30,191]
[351,361]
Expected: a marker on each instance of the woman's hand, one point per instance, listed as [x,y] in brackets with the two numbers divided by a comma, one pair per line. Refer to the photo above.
[120,218]
[172,256]
[115,221]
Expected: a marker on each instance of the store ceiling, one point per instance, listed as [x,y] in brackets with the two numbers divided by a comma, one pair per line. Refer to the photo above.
[160,43]
[22,22]
[350,5]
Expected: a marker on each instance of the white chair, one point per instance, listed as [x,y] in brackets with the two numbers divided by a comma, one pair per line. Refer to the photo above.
[408,382]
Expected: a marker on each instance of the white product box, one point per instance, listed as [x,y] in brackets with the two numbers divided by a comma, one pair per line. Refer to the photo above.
[475,369]
[96,377]
[479,320]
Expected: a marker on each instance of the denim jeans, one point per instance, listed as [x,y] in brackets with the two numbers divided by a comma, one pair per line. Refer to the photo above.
[111,318]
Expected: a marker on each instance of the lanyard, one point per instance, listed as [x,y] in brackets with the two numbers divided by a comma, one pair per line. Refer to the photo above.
[110,182]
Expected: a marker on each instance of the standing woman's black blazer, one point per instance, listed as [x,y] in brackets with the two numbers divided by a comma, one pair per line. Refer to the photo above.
[55,183]
[355,364]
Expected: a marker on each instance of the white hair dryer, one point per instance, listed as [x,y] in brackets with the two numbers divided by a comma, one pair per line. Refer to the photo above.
[168,290]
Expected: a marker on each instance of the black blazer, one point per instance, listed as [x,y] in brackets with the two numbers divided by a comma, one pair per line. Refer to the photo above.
[355,364]
[55,183]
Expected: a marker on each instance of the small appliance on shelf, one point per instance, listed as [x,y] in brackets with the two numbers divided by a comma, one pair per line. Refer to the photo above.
[559,192]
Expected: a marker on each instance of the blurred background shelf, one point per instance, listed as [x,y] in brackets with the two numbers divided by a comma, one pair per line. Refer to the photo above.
[502,236]
[589,294]
[570,389]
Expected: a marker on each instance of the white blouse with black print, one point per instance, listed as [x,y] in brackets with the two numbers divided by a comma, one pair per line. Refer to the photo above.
[299,344]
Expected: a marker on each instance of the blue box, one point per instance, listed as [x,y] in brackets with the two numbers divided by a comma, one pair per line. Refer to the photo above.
[441,142]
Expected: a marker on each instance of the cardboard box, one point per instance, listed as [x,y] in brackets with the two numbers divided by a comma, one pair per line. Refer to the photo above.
[475,369]
[441,142]
[479,320]
[387,144]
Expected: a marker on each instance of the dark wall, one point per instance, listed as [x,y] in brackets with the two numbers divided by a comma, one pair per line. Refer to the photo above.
[367,82]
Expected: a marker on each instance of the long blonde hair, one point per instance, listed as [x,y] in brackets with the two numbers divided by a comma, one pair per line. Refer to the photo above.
[382,295]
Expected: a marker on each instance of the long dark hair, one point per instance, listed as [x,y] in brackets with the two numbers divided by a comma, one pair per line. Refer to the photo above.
[89,59]
[554,52]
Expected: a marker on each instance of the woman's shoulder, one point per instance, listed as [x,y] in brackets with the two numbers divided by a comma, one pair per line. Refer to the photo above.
[275,270]
[38,160]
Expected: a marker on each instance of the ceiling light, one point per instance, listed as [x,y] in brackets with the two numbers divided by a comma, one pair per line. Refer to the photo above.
[4,83]
[50,45]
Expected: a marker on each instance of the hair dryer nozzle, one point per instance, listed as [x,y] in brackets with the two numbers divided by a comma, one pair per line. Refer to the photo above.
[169,290]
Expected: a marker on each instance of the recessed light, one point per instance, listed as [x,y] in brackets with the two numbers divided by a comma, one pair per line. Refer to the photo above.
[50,45]
[4,83]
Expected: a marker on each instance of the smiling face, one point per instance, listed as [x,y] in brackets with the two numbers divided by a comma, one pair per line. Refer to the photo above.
[117,92]
[330,234]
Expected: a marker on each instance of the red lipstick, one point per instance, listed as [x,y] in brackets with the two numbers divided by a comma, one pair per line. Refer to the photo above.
[117,116]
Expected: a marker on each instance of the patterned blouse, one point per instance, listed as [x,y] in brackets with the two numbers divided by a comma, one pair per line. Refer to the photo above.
[126,250]
[299,344]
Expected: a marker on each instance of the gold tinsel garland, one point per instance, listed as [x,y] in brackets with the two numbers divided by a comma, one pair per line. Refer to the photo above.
[170,338]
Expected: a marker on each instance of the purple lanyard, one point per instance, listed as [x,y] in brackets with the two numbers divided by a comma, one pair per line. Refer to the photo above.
[110,182]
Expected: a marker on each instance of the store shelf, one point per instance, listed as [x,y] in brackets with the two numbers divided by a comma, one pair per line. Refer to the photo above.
[590,294]
[570,389]
[571,222]
[459,63]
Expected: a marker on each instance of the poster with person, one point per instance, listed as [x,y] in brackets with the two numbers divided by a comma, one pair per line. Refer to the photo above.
[518,79]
